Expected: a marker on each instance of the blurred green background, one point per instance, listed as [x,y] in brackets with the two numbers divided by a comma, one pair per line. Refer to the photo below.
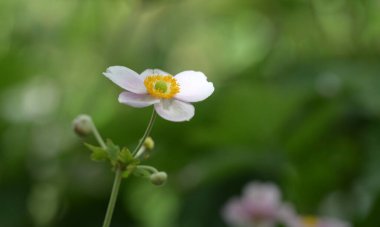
[297,103]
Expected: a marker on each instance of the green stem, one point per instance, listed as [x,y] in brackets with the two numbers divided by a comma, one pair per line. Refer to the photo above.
[149,168]
[147,132]
[119,169]
[140,152]
[98,136]
[114,193]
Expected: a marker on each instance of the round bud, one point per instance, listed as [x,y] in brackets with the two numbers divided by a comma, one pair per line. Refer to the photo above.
[149,143]
[158,178]
[82,125]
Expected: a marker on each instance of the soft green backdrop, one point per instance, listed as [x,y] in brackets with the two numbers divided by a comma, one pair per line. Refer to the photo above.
[297,102]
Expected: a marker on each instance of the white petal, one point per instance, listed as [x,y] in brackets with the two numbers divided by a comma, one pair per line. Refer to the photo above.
[137,100]
[149,72]
[174,110]
[193,86]
[126,78]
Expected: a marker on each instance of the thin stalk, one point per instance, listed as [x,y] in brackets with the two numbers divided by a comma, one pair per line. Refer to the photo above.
[113,197]
[119,169]
[147,132]
[149,168]
[98,136]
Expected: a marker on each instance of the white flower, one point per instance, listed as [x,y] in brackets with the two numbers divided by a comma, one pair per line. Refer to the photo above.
[170,95]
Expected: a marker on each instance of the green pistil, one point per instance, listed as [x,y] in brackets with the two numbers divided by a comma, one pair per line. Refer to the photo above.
[161,86]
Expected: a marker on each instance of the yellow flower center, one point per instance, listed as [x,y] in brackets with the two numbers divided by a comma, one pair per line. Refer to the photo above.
[309,221]
[161,86]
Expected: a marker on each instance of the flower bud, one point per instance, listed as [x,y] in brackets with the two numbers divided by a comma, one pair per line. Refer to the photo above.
[82,125]
[158,178]
[149,143]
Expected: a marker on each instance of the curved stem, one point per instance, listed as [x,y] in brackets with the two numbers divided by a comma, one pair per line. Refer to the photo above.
[147,132]
[113,197]
[140,152]
[149,168]
[98,136]
[119,169]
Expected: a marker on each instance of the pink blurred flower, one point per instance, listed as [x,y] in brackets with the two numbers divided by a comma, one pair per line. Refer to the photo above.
[260,200]
[260,205]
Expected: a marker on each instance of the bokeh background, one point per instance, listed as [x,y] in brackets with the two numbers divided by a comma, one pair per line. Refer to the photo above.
[297,103]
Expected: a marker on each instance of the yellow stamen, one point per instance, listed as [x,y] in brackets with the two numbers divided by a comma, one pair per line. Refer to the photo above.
[161,86]
[310,221]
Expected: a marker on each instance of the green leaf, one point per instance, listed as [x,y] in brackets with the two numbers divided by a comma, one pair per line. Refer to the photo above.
[125,156]
[113,150]
[98,153]
[126,174]
[129,170]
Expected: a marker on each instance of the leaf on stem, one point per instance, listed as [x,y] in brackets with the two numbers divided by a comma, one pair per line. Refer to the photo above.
[125,156]
[97,153]
[113,151]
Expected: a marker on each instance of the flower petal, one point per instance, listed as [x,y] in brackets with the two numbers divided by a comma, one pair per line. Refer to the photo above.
[194,86]
[137,100]
[126,78]
[149,72]
[235,214]
[174,110]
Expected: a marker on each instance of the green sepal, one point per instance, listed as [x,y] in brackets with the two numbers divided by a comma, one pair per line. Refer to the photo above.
[130,169]
[113,151]
[125,156]
[126,174]
[97,153]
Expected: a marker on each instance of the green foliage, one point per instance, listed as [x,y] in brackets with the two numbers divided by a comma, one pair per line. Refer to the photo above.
[296,103]
[113,151]
[97,153]
[125,156]
[115,156]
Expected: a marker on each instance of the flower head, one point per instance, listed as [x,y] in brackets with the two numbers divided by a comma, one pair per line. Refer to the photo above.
[170,95]
[260,205]
[261,200]
[158,178]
